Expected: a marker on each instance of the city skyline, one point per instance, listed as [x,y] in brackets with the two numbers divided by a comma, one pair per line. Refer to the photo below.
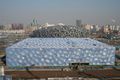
[60,11]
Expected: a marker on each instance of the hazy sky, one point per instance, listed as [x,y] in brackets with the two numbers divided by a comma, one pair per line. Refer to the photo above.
[56,11]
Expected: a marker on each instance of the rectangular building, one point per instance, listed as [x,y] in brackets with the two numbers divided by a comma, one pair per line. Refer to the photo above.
[59,52]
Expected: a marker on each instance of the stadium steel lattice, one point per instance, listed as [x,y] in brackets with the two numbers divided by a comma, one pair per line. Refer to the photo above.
[61,31]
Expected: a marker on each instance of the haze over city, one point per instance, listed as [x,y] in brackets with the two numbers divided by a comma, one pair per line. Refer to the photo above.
[56,11]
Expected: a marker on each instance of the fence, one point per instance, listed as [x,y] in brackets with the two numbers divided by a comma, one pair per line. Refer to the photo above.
[6,77]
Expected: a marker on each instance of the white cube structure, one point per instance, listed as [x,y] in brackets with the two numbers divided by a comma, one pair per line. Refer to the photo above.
[59,52]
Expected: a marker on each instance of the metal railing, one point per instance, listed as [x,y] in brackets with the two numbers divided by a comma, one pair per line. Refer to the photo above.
[6,77]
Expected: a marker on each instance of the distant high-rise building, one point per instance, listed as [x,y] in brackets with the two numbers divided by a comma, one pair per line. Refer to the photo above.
[34,22]
[8,27]
[1,27]
[78,23]
[17,26]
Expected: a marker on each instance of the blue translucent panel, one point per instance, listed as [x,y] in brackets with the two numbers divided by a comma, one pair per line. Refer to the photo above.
[59,52]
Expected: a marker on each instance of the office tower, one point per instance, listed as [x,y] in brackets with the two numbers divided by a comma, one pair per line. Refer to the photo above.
[78,23]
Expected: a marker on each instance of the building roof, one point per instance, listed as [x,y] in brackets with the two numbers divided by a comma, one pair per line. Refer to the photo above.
[59,43]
